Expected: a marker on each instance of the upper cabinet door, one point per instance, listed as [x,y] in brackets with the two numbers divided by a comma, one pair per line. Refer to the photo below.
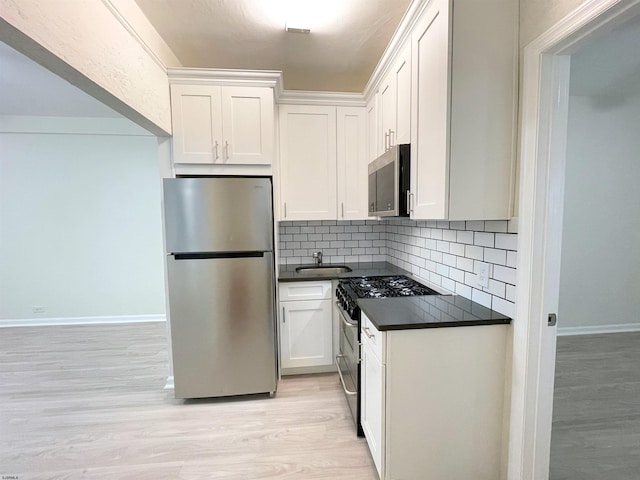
[402,72]
[430,150]
[387,113]
[197,123]
[307,162]
[373,144]
[352,163]
[248,125]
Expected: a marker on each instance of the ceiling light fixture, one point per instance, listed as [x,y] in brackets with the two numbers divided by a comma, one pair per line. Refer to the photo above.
[297,29]
[300,14]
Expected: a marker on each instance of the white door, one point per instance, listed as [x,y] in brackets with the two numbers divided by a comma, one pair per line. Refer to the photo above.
[248,125]
[430,155]
[308,162]
[197,123]
[352,179]
[306,338]
[372,403]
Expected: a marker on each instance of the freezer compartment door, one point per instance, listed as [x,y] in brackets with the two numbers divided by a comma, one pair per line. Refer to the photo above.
[222,325]
[218,214]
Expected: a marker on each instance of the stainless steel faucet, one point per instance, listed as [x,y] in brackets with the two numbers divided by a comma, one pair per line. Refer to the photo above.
[318,257]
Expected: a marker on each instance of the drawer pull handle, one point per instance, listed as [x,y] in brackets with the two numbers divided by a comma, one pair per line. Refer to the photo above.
[367,332]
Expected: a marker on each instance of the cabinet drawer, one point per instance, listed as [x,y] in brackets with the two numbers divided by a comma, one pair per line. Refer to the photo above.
[305,291]
[372,336]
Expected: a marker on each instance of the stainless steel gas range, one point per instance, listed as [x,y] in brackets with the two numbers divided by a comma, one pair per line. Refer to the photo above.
[347,294]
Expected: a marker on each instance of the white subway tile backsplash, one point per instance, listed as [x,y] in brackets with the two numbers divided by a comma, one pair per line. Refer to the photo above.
[465,237]
[448,284]
[457,275]
[456,249]
[475,225]
[449,235]
[505,274]
[464,264]
[492,255]
[507,241]
[504,307]
[496,288]
[464,290]
[481,297]
[449,260]
[444,253]
[476,253]
[495,226]
[484,239]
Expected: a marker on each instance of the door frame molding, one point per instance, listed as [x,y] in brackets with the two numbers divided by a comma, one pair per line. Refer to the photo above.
[542,158]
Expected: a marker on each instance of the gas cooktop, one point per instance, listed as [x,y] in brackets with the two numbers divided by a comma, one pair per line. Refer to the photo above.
[350,290]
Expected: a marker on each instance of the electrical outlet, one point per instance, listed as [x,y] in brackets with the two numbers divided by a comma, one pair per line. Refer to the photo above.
[38,309]
[483,275]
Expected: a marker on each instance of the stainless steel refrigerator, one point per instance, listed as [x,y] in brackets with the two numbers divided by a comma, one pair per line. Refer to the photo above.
[221,274]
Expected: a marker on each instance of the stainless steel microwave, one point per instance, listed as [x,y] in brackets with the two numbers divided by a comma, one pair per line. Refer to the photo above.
[389,176]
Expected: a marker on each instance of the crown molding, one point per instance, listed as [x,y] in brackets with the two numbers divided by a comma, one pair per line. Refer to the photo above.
[394,46]
[219,76]
[304,97]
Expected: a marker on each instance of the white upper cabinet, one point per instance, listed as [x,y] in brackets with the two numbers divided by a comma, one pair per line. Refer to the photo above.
[222,125]
[323,164]
[247,125]
[387,112]
[308,162]
[373,132]
[352,163]
[395,103]
[402,76]
[430,152]
[464,96]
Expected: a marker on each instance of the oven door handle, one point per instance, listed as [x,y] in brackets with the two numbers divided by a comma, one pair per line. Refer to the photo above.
[344,387]
[343,317]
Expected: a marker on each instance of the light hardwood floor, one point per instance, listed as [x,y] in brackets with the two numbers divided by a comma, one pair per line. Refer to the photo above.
[88,402]
[596,418]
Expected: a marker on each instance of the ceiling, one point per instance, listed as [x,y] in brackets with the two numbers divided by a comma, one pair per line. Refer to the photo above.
[30,89]
[610,64]
[347,37]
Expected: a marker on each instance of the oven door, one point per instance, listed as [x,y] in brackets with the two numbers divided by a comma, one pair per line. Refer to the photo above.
[347,361]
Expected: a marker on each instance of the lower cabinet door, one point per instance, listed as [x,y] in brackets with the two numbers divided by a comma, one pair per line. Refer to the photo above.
[372,385]
[306,333]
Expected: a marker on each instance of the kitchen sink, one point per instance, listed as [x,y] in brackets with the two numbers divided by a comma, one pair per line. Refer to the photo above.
[322,270]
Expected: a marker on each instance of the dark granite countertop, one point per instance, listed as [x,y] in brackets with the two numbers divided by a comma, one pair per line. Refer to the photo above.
[369,269]
[428,311]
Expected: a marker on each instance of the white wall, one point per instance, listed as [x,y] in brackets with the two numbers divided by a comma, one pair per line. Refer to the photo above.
[600,271]
[80,222]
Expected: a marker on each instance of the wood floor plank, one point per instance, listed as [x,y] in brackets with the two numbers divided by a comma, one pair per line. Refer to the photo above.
[596,418]
[88,402]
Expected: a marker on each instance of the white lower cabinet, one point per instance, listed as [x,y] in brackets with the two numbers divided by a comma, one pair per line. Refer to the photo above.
[372,383]
[306,325]
[432,401]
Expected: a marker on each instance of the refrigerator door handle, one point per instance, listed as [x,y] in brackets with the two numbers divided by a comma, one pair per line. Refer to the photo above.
[206,255]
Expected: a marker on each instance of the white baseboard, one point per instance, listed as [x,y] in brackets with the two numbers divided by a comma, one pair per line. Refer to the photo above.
[169,385]
[45,322]
[623,328]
